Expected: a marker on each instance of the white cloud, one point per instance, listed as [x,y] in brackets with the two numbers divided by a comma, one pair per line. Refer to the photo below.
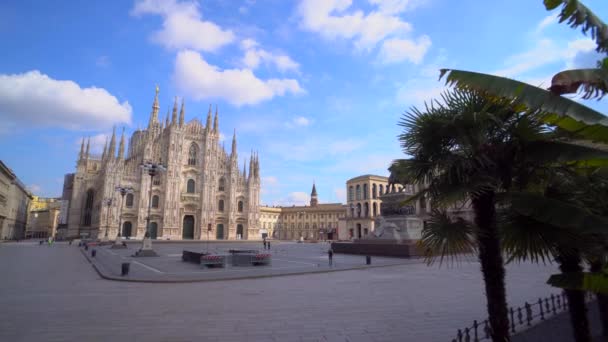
[340,194]
[545,52]
[374,164]
[97,142]
[255,55]
[183,27]
[335,19]
[298,121]
[398,50]
[36,99]
[35,188]
[270,181]
[197,78]
[297,198]
[548,20]
[103,61]
[345,146]
[416,92]
[396,6]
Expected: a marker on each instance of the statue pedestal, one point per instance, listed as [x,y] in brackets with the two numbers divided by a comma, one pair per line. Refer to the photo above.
[396,232]
[146,249]
[118,244]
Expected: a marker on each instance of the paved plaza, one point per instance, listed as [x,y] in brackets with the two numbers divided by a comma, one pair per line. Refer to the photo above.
[287,258]
[51,293]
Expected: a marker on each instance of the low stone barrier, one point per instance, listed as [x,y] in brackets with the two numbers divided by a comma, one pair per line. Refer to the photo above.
[377,249]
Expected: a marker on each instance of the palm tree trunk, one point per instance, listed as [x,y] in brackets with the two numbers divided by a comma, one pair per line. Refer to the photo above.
[602,299]
[492,265]
[570,262]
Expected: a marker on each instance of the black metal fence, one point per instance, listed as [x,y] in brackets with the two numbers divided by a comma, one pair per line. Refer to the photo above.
[520,318]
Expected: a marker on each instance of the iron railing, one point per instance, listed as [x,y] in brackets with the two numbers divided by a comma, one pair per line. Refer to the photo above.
[520,318]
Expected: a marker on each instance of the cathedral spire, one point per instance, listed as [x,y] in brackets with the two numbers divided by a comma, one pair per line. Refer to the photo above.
[121,147]
[112,150]
[105,147]
[81,155]
[216,122]
[87,149]
[208,125]
[154,114]
[167,118]
[174,115]
[181,115]
[251,164]
[244,167]
[234,144]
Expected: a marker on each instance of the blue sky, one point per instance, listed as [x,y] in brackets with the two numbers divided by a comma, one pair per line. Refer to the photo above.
[316,86]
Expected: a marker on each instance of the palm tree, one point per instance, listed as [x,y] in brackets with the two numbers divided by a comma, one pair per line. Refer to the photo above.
[553,223]
[474,147]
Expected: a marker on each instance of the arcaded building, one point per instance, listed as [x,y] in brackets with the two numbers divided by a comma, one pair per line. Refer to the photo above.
[203,192]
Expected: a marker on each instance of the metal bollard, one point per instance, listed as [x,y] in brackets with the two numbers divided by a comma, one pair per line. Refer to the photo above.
[93,252]
[124,270]
[86,247]
[368,260]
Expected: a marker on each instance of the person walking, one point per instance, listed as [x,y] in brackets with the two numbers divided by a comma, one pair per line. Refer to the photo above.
[268,245]
[264,242]
[330,253]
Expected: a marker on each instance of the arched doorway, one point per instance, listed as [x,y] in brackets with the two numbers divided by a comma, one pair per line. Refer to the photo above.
[239,231]
[219,232]
[126,229]
[188,227]
[359,230]
[153,230]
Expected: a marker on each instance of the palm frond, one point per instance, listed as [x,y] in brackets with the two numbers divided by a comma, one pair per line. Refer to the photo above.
[594,82]
[557,213]
[567,114]
[447,238]
[553,151]
[526,239]
[583,281]
[576,14]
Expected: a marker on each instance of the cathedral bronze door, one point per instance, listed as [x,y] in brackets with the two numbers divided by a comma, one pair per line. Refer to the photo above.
[219,232]
[239,231]
[126,229]
[188,227]
[153,230]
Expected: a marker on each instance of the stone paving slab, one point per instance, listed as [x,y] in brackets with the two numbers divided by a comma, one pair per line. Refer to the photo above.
[51,293]
[287,259]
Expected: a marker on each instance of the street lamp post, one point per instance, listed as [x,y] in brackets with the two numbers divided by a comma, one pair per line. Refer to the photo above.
[122,190]
[108,203]
[152,169]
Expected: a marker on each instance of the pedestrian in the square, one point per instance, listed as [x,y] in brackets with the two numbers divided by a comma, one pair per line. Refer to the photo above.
[330,253]
[268,245]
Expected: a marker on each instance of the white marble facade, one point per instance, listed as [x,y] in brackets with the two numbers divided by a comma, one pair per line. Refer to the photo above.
[202,194]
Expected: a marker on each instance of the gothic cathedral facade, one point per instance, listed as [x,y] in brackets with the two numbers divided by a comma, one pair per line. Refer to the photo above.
[202,194]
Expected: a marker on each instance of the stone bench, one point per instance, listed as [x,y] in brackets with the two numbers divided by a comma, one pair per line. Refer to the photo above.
[213,261]
[195,257]
[261,259]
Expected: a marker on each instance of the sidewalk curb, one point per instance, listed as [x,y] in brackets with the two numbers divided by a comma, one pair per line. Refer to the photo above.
[105,274]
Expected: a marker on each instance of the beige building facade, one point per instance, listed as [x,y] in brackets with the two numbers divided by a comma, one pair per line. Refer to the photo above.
[309,222]
[14,201]
[203,192]
[43,217]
